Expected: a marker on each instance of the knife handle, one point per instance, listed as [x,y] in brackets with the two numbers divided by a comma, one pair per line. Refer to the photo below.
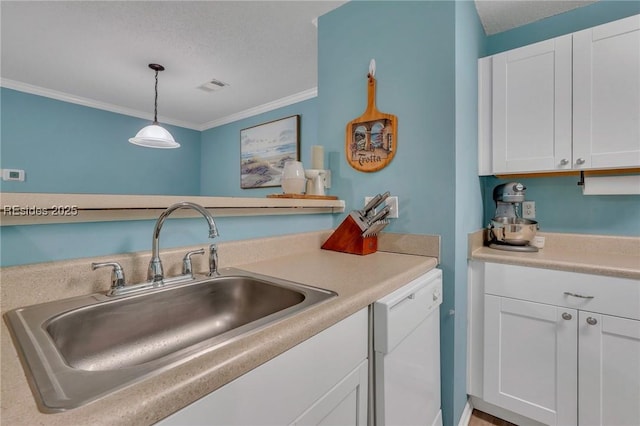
[370,205]
[379,200]
[380,215]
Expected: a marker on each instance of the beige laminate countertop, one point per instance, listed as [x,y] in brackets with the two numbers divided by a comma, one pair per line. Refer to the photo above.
[590,254]
[358,280]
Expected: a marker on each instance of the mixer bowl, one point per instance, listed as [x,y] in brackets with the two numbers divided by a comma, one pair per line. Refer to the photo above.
[515,231]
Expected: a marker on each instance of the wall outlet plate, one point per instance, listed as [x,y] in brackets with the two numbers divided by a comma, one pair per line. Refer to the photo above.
[529,209]
[327,179]
[393,202]
[390,201]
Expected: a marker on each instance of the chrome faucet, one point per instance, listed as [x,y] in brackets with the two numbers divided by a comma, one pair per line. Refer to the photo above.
[156,274]
[213,260]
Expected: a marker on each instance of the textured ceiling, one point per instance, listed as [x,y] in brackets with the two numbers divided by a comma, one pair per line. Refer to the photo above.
[96,52]
[501,15]
[99,50]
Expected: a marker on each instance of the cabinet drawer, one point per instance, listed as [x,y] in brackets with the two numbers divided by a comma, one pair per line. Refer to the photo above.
[601,294]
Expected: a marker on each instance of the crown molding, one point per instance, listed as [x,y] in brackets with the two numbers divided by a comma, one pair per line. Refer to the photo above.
[260,109]
[91,103]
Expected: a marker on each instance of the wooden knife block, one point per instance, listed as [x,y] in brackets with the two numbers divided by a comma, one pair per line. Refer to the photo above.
[348,239]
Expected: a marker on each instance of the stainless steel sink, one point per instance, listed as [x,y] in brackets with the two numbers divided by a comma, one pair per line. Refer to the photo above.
[77,350]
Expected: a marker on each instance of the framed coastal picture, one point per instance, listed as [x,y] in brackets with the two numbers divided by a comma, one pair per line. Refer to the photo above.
[265,148]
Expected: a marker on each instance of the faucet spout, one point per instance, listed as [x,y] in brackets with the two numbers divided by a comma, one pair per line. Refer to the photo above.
[156,273]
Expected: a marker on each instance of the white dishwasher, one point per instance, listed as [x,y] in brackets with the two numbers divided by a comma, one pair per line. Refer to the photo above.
[406,354]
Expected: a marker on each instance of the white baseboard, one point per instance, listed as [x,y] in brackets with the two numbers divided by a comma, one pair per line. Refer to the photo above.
[466,414]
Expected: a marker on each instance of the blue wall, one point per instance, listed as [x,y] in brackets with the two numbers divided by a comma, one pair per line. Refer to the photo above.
[44,243]
[220,159]
[414,45]
[58,157]
[69,148]
[561,207]
[470,45]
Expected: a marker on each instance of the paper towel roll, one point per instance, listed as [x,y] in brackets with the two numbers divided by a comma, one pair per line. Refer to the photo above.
[611,185]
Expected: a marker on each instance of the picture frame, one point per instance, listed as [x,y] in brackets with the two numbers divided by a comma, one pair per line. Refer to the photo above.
[265,148]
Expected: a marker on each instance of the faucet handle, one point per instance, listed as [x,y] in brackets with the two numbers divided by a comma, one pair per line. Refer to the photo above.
[213,260]
[187,269]
[117,273]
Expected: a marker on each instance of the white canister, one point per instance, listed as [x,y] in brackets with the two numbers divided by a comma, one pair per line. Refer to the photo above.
[293,180]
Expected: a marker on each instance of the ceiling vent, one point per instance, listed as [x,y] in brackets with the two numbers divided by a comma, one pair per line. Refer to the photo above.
[213,85]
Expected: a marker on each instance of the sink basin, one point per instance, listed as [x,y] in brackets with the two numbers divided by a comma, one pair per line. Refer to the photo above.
[77,350]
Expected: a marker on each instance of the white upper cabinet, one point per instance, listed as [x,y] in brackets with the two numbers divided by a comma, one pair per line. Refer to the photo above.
[532,107]
[606,95]
[569,103]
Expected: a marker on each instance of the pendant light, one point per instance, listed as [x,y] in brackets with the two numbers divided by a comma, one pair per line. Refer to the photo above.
[154,135]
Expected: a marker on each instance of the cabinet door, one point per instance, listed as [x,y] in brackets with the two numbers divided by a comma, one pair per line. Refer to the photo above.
[532,107]
[345,404]
[530,359]
[606,90]
[278,391]
[609,370]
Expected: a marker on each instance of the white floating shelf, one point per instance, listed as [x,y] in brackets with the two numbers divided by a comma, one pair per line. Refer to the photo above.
[21,208]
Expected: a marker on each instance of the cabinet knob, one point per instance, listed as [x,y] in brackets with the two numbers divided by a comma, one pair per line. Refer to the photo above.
[564,162]
[566,316]
[592,321]
[580,161]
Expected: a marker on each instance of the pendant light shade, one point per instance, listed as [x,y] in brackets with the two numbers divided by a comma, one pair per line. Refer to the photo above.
[154,135]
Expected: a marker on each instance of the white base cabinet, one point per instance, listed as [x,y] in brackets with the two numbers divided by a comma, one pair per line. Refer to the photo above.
[323,380]
[557,347]
[609,370]
[531,359]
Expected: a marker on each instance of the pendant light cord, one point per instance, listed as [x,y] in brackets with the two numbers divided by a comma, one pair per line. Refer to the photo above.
[155,110]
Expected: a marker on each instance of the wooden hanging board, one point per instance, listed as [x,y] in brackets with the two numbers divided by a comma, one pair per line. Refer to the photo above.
[371,140]
[304,196]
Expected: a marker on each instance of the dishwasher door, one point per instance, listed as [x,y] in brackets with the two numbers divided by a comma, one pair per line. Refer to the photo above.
[406,352]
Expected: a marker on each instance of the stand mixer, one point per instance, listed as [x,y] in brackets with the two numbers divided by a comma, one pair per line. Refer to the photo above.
[508,230]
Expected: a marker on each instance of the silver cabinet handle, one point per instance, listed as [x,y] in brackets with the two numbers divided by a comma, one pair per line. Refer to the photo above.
[566,316]
[580,161]
[577,295]
[592,321]
[564,162]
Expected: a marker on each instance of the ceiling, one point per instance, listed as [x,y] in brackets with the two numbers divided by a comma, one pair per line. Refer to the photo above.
[96,52]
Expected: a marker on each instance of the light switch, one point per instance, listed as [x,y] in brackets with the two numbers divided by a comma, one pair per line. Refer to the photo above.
[13,174]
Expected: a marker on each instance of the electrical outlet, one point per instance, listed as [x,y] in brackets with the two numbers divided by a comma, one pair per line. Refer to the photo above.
[390,201]
[327,179]
[393,202]
[529,209]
